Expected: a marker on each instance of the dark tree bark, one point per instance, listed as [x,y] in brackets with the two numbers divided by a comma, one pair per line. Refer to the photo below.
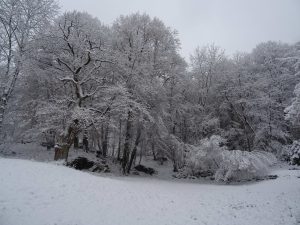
[85,143]
[153,150]
[120,141]
[76,142]
[133,153]
[113,148]
[141,152]
[62,150]
[128,138]
[105,142]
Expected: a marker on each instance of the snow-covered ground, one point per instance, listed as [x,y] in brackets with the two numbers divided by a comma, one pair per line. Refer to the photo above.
[35,193]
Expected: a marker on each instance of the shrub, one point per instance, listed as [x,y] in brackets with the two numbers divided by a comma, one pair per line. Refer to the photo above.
[295,153]
[227,165]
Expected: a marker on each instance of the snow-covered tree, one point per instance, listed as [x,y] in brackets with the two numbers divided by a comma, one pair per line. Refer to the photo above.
[74,56]
[20,22]
[145,49]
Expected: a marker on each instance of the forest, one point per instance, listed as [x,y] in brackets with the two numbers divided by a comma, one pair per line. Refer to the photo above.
[123,92]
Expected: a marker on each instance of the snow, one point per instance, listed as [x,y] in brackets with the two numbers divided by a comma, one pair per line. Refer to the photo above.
[35,193]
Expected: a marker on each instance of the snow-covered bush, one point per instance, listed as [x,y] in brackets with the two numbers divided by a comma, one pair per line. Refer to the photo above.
[284,154]
[203,158]
[227,165]
[292,111]
[295,153]
[242,165]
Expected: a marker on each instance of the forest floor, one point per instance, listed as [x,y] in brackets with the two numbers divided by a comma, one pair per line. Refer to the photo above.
[36,193]
[39,153]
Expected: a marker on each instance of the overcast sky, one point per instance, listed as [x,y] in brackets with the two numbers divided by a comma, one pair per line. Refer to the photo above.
[235,25]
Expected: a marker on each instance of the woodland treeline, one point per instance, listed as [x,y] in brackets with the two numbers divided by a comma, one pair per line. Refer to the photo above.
[127,90]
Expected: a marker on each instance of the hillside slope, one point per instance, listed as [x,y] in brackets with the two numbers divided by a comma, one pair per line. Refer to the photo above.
[33,193]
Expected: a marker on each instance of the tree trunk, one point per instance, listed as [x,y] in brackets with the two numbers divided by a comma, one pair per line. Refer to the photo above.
[175,167]
[85,143]
[61,152]
[128,137]
[2,111]
[105,142]
[76,142]
[62,149]
[120,138]
[141,152]
[133,153]
[153,150]
[113,148]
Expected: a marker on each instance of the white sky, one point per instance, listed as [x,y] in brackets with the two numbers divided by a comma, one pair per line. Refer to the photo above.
[235,25]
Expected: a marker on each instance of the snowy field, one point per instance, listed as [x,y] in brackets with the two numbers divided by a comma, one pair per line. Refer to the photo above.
[35,193]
